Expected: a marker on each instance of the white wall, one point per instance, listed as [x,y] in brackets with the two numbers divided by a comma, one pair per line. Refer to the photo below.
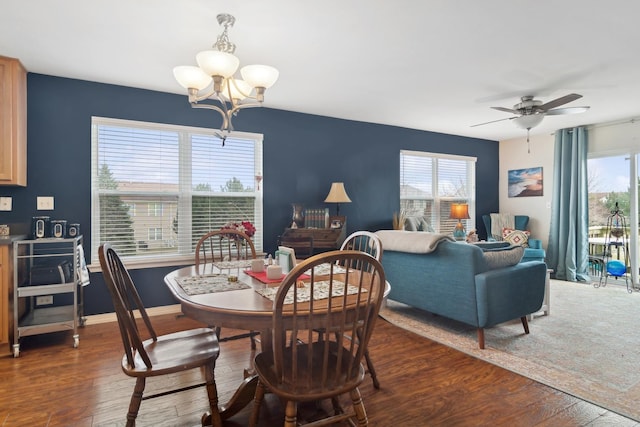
[513,155]
[609,139]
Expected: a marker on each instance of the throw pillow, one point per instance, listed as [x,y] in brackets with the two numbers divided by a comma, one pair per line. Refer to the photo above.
[516,237]
[411,223]
[503,257]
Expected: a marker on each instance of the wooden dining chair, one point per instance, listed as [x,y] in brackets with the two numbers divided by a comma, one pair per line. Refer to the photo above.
[304,366]
[226,245]
[158,354]
[370,243]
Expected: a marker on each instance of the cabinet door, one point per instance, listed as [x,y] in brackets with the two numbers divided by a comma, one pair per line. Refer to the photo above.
[13,122]
[4,299]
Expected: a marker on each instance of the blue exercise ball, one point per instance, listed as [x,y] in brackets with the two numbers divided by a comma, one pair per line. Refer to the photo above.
[616,268]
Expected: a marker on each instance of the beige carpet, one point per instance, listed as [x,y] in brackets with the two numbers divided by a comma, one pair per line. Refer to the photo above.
[588,347]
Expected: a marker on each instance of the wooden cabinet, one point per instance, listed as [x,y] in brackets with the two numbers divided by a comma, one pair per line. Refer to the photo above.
[13,122]
[323,238]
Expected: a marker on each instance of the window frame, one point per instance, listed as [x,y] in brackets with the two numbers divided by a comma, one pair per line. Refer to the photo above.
[184,192]
[443,225]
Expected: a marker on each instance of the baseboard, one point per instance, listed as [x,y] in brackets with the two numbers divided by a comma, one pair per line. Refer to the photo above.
[152,311]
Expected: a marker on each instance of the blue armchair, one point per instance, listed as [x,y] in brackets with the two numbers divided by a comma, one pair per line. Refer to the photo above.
[535,251]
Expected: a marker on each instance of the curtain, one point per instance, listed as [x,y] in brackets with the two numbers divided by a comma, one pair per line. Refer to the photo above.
[568,249]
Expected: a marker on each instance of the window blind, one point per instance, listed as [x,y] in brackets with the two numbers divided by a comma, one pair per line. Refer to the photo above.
[157,188]
[431,182]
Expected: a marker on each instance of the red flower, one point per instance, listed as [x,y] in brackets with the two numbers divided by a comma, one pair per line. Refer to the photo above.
[245,226]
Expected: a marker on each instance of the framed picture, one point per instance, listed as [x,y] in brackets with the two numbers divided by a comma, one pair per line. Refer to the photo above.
[525,182]
[336,223]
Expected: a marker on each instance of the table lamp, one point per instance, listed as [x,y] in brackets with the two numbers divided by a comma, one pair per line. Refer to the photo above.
[459,211]
[337,194]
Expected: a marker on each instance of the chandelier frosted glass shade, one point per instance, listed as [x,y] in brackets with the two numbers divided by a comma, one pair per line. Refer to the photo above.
[239,89]
[216,63]
[212,85]
[191,77]
[259,75]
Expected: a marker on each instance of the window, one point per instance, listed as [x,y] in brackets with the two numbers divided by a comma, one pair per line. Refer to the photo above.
[155,209]
[155,234]
[430,183]
[183,179]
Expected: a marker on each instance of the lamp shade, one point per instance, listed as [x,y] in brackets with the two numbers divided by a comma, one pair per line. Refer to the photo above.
[239,89]
[337,194]
[216,63]
[459,211]
[259,75]
[191,77]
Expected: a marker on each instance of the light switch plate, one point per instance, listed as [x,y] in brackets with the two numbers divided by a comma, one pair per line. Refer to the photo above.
[45,203]
[5,203]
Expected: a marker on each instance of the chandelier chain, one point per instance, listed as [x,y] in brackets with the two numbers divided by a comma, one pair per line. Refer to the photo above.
[223,44]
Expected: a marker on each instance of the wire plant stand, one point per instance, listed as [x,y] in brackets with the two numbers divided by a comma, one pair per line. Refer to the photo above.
[616,238]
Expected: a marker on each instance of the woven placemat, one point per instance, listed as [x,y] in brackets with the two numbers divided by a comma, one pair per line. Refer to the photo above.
[320,291]
[209,283]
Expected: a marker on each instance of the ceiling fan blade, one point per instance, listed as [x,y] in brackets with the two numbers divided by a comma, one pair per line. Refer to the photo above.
[566,110]
[507,110]
[493,121]
[559,101]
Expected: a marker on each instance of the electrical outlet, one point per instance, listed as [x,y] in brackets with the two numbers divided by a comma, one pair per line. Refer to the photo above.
[44,300]
[44,203]
[5,203]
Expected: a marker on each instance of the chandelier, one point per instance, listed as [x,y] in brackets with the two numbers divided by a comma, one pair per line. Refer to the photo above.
[213,78]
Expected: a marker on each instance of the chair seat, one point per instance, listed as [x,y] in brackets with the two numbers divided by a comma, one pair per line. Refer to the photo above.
[175,352]
[308,385]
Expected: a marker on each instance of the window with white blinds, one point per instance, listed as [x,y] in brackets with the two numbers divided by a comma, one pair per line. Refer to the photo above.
[430,183]
[157,188]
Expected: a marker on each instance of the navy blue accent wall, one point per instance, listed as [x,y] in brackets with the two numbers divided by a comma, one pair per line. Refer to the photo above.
[303,155]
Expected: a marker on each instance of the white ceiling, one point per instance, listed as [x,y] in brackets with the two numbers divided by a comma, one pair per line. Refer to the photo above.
[431,65]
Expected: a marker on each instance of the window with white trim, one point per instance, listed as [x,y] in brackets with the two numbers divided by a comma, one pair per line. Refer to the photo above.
[186,181]
[431,182]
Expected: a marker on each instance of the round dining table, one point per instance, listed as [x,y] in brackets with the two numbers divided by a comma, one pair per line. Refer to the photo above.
[242,308]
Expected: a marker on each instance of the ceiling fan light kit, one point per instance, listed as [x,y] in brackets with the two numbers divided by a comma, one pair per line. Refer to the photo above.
[213,79]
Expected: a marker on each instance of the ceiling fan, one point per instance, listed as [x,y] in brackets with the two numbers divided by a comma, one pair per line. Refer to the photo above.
[530,112]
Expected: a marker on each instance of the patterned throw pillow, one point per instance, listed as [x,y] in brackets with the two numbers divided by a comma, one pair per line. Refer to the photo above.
[503,257]
[516,237]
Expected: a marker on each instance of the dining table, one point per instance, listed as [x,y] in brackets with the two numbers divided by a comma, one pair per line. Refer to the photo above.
[225,295]
[229,295]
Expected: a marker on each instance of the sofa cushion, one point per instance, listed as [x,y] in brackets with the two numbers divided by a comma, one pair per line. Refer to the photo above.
[503,257]
[417,223]
[516,237]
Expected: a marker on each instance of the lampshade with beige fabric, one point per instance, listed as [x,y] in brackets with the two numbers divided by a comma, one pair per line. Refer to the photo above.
[337,194]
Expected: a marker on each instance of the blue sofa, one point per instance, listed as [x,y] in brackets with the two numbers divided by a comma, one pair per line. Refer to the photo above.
[455,279]
[534,252]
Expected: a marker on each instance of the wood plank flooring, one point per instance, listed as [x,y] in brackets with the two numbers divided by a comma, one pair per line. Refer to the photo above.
[423,384]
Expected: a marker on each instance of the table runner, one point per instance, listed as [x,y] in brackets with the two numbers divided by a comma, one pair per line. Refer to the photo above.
[209,283]
[236,263]
[320,291]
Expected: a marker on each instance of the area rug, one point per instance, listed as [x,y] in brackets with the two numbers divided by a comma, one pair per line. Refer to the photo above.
[587,347]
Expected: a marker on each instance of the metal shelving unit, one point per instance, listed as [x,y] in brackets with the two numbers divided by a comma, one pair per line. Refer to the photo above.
[48,294]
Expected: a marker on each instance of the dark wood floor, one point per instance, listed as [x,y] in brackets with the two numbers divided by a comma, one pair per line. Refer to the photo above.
[423,384]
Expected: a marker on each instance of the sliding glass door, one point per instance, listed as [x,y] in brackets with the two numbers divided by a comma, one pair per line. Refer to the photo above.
[613,214]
